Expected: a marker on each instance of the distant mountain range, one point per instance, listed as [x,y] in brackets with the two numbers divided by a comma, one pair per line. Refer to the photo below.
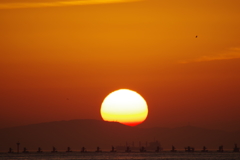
[93,133]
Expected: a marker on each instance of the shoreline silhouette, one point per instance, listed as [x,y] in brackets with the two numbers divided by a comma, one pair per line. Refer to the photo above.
[129,150]
[77,134]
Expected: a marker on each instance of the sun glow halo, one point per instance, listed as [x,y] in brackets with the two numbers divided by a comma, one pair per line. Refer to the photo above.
[124,106]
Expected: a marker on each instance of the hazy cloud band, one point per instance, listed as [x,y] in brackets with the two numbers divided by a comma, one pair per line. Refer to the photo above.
[59,3]
[232,53]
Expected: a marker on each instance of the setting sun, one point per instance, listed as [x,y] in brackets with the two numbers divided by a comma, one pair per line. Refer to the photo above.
[124,106]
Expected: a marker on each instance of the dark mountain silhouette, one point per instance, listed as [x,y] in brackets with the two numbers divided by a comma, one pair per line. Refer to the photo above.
[93,133]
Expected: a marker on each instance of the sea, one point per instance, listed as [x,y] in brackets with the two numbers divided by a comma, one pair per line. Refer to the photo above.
[164,155]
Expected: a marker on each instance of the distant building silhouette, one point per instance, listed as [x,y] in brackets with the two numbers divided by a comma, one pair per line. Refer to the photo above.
[150,146]
[189,149]
[173,149]
[98,149]
[25,150]
[18,147]
[157,149]
[153,145]
[142,149]
[10,150]
[54,150]
[128,149]
[83,150]
[235,149]
[220,148]
[113,149]
[204,149]
[68,149]
[39,150]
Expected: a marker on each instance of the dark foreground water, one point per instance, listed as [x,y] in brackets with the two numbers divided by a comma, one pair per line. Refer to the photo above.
[122,156]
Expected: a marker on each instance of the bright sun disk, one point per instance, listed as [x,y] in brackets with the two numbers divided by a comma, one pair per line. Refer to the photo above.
[124,106]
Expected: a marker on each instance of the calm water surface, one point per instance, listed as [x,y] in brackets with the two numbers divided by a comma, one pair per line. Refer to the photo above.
[122,156]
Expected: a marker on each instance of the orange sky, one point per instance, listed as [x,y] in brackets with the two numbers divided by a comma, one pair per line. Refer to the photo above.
[60,59]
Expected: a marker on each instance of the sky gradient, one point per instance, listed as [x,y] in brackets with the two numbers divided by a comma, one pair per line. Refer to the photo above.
[60,59]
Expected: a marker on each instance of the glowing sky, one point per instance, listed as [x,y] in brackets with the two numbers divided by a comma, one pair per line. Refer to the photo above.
[55,3]
[59,59]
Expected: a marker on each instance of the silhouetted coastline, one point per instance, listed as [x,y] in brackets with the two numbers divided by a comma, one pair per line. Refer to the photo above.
[129,150]
[78,134]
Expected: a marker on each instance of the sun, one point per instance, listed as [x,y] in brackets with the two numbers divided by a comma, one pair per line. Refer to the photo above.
[124,106]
